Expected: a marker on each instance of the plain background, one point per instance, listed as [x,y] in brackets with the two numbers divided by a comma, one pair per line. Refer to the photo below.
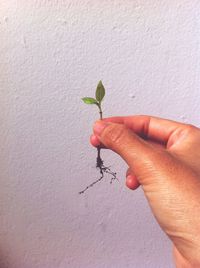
[52,53]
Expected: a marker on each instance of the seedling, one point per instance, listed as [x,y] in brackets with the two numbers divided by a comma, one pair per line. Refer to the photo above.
[100,93]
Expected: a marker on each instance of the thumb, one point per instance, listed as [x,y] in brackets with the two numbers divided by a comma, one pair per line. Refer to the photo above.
[137,153]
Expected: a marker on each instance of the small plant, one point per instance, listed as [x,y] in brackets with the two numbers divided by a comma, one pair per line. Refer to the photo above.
[100,93]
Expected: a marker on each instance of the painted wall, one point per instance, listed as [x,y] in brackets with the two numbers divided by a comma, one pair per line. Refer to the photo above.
[52,53]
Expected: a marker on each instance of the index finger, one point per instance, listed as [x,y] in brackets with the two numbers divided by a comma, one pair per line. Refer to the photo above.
[149,127]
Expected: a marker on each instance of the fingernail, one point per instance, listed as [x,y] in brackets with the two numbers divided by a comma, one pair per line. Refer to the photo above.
[129,178]
[94,140]
[99,127]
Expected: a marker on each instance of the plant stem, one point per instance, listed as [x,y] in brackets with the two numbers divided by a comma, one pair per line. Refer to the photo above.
[99,160]
[100,112]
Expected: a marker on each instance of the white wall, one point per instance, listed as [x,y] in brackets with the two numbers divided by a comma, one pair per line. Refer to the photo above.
[52,53]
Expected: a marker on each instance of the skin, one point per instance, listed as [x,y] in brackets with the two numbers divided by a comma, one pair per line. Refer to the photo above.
[164,159]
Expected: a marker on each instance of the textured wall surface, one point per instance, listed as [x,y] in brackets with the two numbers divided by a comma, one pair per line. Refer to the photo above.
[52,53]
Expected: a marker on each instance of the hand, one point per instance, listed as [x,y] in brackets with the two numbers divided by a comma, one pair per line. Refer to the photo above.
[164,158]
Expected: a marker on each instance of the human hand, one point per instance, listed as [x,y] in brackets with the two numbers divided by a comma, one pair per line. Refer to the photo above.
[164,158]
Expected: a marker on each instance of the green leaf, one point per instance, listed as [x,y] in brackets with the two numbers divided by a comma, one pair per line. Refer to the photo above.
[100,91]
[89,100]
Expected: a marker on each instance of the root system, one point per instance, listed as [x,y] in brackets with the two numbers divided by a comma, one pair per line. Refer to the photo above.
[103,170]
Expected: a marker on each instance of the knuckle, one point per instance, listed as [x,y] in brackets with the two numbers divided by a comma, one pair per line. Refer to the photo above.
[190,129]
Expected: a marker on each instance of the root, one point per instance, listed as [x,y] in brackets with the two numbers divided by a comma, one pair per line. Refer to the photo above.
[103,169]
